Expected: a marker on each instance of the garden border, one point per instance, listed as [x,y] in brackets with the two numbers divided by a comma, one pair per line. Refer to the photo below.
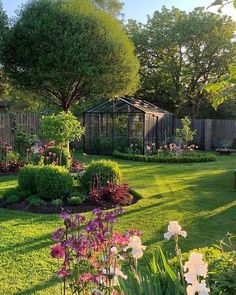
[204,157]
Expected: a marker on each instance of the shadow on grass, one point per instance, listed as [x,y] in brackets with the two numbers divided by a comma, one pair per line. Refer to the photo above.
[40,287]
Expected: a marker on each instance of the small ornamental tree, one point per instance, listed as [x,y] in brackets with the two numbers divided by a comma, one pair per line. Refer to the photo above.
[185,134]
[61,128]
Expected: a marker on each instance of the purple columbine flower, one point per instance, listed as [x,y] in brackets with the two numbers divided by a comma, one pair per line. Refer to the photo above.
[65,215]
[79,218]
[58,235]
[97,211]
[63,273]
[111,217]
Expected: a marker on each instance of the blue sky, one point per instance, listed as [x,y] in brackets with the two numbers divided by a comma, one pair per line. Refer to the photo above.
[137,9]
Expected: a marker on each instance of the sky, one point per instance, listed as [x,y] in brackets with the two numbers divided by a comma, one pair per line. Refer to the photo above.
[138,9]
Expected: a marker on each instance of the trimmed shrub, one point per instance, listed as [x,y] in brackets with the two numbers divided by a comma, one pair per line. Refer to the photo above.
[195,157]
[13,199]
[9,192]
[52,155]
[99,173]
[27,177]
[53,182]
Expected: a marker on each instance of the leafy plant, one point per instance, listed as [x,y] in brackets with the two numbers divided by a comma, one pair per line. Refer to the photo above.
[111,193]
[53,182]
[99,173]
[57,202]
[53,154]
[185,134]
[75,200]
[35,201]
[61,129]
[156,276]
[22,140]
[12,199]
[27,178]
[9,192]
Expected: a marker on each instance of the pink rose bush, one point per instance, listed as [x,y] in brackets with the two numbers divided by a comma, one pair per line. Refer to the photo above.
[91,254]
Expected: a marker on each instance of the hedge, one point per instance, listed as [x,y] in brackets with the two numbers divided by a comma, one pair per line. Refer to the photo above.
[195,157]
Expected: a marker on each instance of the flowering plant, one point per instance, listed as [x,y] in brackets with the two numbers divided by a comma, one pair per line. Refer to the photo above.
[91,253]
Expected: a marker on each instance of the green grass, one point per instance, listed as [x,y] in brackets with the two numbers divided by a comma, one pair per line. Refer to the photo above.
[200,196]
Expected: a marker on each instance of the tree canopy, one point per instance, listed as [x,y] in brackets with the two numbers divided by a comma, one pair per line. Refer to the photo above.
[4,83]
[179,52]
[69,51]
[113,7]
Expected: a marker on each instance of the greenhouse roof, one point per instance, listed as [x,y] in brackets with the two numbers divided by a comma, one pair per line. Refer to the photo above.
[119,105]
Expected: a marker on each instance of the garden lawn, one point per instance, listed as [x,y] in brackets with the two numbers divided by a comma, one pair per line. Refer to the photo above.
[200,196]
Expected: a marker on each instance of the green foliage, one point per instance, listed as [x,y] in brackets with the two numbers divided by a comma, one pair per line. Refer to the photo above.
[35,201]
[185,134]
[64,154]
[75,200]
[179,52]
[22,140]
[223,89]
[9,192]
[85,52]
[221,270]
[191,157]
[156,277]
[113,7]
[27,178]
[99,173]
[53,182]
[61,128]
[12,156]
[12,199]
[57,202]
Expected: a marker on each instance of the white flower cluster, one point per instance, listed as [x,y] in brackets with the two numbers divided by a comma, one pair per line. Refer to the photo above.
[195,269]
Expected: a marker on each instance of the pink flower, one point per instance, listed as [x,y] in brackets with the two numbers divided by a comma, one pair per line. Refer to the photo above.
[50,153]
[63,273]
[54,154]
[47,158]
[57,251]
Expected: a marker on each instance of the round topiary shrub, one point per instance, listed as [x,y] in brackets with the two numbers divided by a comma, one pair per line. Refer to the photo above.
[99,173]
[53,182]
[52,154]
[27,176]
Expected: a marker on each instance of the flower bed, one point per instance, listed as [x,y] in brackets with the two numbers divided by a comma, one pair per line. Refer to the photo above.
[48,188]
[188,157]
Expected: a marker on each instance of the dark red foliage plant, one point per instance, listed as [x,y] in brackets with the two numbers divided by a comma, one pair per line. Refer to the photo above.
[117,194]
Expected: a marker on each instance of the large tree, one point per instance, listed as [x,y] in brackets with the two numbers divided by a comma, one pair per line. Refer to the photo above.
[4,83]
[69,51]
[113,7]
[179,53]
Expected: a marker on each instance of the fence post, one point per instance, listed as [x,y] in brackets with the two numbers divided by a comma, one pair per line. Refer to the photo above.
[208,134]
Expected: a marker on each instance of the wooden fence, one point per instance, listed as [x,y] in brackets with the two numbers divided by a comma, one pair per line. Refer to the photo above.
[30,123]
[210,134]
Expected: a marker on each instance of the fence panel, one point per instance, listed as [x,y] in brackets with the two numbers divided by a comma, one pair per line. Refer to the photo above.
[30,122]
